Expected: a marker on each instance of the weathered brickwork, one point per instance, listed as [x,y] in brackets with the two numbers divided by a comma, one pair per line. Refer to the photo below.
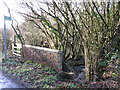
[50,57]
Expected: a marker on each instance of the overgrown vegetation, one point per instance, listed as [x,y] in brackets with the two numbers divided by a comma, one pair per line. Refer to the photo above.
[35,74]
[8,39]
[87,29]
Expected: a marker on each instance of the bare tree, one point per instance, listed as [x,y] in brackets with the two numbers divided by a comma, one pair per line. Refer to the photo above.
[85,28]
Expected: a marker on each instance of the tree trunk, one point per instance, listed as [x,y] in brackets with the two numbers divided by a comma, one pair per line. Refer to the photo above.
[87,62]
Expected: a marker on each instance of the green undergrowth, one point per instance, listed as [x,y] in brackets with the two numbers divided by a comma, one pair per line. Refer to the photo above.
[38,75]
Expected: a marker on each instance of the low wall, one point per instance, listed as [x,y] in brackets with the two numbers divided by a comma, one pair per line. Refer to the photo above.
[50,57]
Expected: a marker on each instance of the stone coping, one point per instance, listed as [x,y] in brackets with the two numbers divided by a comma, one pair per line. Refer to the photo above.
[42,48]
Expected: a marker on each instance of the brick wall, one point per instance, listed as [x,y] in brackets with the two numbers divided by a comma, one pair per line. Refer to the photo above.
[50,57]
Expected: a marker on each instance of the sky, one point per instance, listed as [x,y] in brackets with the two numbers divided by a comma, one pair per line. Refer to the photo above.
[14,7]
[12,4]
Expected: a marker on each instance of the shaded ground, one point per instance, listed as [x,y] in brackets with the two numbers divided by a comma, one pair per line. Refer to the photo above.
[36,75]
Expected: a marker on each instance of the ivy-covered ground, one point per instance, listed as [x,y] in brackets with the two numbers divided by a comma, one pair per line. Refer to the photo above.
[36,75]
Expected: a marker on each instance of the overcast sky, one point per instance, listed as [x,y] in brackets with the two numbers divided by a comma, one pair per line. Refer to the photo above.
[12,4]
[14,7]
